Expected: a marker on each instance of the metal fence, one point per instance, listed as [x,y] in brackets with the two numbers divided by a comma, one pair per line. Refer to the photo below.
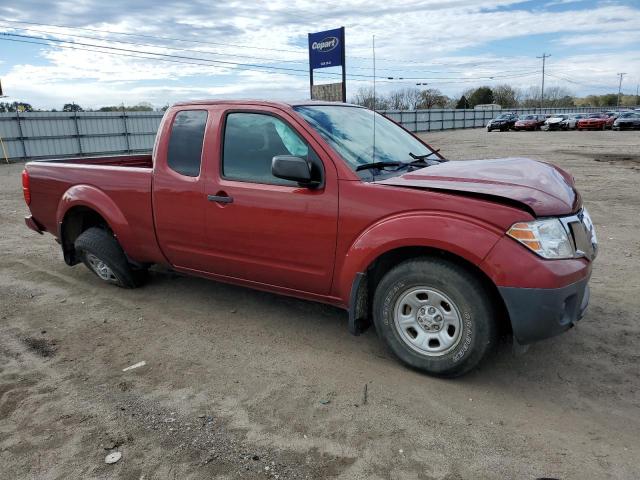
[64,134]
[448,119]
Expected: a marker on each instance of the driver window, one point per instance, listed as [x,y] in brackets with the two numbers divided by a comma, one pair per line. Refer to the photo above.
[251,140]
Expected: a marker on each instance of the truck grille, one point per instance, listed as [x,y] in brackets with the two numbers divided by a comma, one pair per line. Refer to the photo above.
[584,234]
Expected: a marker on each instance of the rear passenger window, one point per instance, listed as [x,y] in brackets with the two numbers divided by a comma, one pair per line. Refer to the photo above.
[251,140]
[185,144]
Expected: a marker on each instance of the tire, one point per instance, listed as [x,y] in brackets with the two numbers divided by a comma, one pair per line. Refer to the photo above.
[103,255]
[454,347]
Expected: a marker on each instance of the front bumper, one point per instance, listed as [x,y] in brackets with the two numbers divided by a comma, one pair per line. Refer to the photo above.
[539,313]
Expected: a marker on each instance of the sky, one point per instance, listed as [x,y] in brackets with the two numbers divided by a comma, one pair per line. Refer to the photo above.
[52,52]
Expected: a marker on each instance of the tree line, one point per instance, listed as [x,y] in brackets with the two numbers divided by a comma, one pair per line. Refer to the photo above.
[506,96]
[412,99]
[74,107]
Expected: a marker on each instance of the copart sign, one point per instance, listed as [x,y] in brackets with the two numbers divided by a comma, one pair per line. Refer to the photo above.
[326,49]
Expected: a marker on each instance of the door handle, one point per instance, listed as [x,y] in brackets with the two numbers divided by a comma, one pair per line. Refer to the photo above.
[220,198]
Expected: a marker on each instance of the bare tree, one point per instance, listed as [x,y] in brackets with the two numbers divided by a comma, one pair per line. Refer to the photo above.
[558,97]
[364,97]
[506,96]
[403,99]
[432,97]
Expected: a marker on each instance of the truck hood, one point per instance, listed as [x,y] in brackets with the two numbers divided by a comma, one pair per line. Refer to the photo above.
[542,188]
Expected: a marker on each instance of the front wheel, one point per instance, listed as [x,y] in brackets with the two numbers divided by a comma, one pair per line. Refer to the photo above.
[435,316]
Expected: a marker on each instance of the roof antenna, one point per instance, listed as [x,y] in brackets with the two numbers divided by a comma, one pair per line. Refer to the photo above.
[373,40]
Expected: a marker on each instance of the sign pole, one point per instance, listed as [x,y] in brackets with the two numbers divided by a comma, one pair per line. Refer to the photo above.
[310,71]
[344,69]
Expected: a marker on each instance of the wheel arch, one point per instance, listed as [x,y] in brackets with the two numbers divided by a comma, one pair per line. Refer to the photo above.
[461,239]
[76,220]
[366,282]
[82,207]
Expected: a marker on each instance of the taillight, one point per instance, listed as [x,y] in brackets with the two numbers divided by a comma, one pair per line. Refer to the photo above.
[25,187]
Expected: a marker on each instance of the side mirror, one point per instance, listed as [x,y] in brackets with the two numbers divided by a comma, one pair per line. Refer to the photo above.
[292,168]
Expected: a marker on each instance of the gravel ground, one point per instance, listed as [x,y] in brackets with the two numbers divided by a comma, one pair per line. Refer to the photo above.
[244,384]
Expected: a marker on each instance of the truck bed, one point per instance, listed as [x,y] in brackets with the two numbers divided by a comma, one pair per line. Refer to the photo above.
[138,160]
[117,186]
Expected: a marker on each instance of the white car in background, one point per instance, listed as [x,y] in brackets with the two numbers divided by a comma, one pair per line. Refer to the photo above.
[555,122]
[571,122]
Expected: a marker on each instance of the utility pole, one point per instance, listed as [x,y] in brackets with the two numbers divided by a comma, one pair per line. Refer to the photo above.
[544,58]
[620,90]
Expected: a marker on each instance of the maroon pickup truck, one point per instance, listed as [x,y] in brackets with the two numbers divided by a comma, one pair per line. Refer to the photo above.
[333,203]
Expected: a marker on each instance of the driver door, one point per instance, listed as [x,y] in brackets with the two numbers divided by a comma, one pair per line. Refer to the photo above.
[263,229]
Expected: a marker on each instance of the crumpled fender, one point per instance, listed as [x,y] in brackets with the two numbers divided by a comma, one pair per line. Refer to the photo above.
[465,237]
[95,199]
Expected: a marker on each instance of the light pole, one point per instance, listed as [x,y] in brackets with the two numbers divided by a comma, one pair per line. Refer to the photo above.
[619,90]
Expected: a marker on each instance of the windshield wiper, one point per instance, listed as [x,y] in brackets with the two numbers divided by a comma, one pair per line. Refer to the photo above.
[419,157]
[418,161]
[368,166]
[423,157]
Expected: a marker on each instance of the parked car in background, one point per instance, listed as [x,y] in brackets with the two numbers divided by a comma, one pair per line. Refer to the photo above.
[579,116]
[594,121]
[502,122]
[529,122]
[627,121]
[555,122]
[611,118]
[572,121]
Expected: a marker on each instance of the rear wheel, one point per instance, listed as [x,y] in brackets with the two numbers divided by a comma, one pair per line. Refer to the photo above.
[102,254]
[435,316]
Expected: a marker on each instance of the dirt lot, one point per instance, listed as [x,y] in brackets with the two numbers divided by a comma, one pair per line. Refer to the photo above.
[243,384]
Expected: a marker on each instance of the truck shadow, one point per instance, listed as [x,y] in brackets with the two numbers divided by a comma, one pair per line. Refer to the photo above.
[552,360]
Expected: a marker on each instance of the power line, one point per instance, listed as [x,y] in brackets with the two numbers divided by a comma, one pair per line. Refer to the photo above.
[142,57]
[156,54]
[239,65]
[576,82]
[232,55]
[234,45]
[141,35]
[91,37]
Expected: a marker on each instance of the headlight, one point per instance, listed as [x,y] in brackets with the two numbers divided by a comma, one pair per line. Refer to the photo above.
[547,238]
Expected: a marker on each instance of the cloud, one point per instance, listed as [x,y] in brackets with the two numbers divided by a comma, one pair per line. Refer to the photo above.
[425,36]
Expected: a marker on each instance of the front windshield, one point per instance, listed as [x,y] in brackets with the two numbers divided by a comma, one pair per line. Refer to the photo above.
[350,131]
[530,117]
